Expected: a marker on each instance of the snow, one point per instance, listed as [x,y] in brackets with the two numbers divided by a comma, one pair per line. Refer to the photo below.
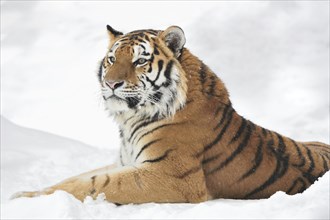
[273,57]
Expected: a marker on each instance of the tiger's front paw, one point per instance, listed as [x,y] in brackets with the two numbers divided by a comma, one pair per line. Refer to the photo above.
[25,194]
[31,194]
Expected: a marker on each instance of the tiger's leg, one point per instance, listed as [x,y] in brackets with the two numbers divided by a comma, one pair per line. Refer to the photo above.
[130,184]
[46,191]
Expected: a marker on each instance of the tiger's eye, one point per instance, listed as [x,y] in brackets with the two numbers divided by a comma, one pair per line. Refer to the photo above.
[112,59]
[141,61]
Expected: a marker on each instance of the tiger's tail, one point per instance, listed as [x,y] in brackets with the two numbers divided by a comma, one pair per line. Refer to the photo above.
[314,163]
[322,155]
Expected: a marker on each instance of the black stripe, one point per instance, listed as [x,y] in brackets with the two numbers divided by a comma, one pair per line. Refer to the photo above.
[210,159]
[121,133]
[141,41]
[211,86]
[281,144]
[137,33]
[189,101]
[150,31]
[301,158]
[93,180]
[156,97]
[319,145]
[325,164]
[311,178]
[253,126]
[151,60]
[153,119]
[132,101]
[158,159]
[167,74]
[122,45]
[224,116]
[189,172]
[327,156]
[221,133]
[92,191]
[308,174]
[202,75]
[156,87]
[220,107]
[128,119]
[145,147]
[144,85]
[107,181]
[146,37]
[264,132]
[294,184]
[156,128]
[257,160]
[323,148]
[239,131]
[156,52]
[143,119]
[160,67]
[150,68]
[281,168]
[236,152]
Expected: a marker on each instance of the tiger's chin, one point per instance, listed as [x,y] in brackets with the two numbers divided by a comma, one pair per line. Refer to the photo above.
[116,106]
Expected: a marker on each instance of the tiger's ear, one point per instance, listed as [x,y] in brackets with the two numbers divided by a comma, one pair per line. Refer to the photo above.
[113,34]
[174,39]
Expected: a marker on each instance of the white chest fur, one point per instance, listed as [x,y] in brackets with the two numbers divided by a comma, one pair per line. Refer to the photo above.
[130,132]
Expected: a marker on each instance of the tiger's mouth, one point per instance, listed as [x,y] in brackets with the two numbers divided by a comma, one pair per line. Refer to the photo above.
[132,101]
[114,97]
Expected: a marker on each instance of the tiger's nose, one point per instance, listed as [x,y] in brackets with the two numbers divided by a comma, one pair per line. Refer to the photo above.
[114,84]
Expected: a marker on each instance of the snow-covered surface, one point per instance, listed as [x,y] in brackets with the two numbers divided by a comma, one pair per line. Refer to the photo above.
[273,57]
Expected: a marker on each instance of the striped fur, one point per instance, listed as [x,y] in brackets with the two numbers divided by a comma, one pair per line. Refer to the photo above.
[182,141]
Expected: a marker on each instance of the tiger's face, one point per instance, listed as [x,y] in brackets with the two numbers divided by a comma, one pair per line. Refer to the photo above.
[140,72]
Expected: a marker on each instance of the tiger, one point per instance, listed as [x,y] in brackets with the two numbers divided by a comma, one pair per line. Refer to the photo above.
[181,139]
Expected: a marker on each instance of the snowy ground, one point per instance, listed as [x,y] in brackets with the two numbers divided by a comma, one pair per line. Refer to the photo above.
[273,57]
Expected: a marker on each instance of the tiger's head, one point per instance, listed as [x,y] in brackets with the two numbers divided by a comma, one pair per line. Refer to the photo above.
[141,72]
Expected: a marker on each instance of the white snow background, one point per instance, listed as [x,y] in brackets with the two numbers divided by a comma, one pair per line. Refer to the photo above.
[272,56]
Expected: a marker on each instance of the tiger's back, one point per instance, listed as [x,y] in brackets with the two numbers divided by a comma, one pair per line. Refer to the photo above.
[243,160]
